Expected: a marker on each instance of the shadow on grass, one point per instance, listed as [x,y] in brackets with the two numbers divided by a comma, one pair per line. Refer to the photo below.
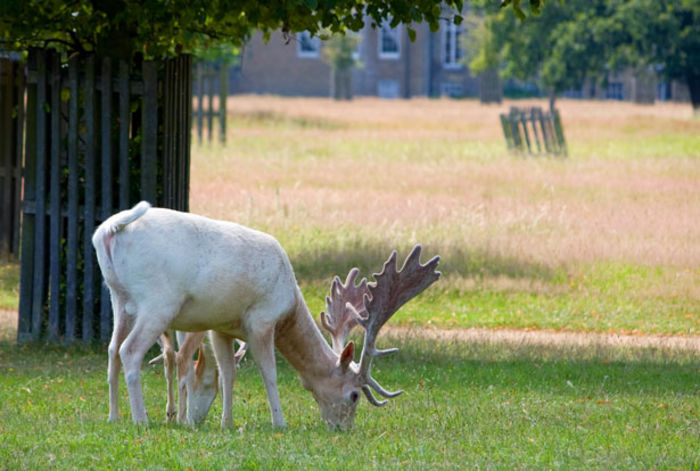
[449,367]
[322,261]
[559,369]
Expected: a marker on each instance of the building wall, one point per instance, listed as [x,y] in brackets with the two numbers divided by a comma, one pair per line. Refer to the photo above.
[403,76]
[275,68]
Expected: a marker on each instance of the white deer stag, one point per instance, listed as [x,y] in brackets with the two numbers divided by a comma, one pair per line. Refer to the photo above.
[171,270]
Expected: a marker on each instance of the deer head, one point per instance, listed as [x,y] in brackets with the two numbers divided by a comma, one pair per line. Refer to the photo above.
[380,300]
[201,394]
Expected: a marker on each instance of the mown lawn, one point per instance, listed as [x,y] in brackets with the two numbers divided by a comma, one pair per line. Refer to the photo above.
[470,405]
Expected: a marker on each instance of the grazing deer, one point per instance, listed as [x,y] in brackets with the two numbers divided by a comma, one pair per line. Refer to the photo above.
[198,382]
[171,270]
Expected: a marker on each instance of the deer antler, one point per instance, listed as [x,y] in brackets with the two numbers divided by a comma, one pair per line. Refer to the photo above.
[391,290]
[343,304]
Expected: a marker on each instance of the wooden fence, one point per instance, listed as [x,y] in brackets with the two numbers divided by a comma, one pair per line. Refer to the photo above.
[534,131]
[211,79]
[11,132]
[100,135]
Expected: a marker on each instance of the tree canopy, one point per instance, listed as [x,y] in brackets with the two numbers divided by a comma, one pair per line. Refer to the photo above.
[570,41]
[159,28]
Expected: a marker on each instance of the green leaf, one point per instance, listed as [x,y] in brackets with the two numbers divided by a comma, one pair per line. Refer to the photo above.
[411,34]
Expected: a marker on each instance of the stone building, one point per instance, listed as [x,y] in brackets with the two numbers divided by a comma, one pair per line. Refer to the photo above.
[392,66]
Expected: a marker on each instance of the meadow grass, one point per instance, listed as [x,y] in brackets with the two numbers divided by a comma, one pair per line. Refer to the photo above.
[9,285]
[466,405]
[606,240]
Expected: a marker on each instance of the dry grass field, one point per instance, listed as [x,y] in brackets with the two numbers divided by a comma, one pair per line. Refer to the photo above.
[607,239]
[341,183]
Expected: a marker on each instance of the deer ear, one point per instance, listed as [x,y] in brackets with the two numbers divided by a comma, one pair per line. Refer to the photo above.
[199,366]
[347,356]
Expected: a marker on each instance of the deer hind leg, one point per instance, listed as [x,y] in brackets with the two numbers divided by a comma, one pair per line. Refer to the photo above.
[261,340]
[223,350]
[146,331]
[119,332]
[169,365]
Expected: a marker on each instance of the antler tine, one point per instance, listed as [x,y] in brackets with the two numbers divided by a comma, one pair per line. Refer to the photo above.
[391,290]
[345,307]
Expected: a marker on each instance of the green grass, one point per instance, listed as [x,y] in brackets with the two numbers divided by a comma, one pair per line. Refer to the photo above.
[466,406]
[493,291]
[9,285]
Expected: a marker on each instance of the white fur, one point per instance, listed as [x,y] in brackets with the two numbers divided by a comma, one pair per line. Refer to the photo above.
[172,270]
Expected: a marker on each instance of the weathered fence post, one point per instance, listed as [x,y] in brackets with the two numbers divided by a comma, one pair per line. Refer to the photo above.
[11,151]
[223,95]
[210,101]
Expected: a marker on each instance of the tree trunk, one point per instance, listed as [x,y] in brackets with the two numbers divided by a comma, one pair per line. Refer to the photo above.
[694,88]
[341,83]
[552,99]
[490,89]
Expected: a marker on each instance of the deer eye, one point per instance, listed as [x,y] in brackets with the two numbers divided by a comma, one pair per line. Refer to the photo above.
[354,396]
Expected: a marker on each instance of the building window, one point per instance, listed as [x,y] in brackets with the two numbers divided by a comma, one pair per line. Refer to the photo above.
[614,91]
[389,41]
[388,88]
[451,45]
[452,89]
[308,47]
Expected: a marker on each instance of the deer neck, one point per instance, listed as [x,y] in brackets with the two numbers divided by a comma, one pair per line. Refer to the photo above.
[299,340]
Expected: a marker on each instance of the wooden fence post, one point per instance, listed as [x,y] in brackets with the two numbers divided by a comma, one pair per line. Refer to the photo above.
[559,130]
[72,236]
[26,292]
[89,204]
[39,282]
[200,101]
[55,218]
[11,151]
[223,95]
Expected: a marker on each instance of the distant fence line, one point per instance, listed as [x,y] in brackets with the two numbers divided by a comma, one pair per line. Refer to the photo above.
[210,80]
[533,131]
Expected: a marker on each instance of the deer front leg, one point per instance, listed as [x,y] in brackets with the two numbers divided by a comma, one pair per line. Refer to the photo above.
[223,350]
[262,345]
